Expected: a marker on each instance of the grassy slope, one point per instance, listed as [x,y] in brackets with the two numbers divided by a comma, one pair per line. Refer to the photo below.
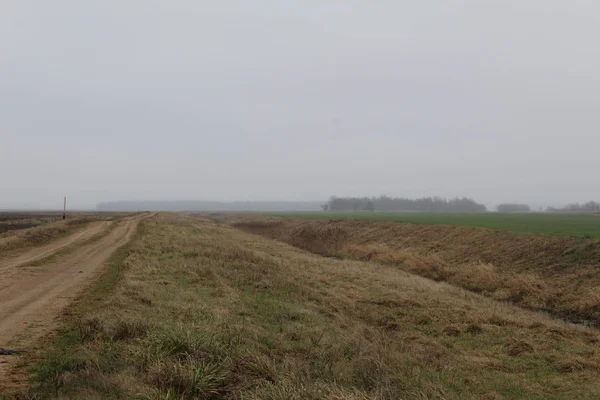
[558,275]
[586,226]
[196,310]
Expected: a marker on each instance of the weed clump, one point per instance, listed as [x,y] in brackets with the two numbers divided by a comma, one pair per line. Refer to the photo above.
[125,329]
[575,364]
[451,330]
[519,347]
[474,329]
[89,328]
[189,380]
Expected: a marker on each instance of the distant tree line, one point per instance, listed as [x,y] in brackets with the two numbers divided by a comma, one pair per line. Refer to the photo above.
[513,208]
[384,203]
[210,206]
[591,207]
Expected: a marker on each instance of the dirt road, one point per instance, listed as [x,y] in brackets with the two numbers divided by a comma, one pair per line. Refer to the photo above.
[31,297]
[44,251]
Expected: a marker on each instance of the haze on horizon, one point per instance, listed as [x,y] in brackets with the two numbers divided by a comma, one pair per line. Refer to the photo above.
[282,100]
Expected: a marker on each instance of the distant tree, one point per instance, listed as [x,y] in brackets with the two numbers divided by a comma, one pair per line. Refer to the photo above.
[513,208]
[325,207]
[385,203]
[591,207]
[369,206]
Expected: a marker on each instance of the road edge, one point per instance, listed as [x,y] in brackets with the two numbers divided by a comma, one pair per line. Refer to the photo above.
[41,364]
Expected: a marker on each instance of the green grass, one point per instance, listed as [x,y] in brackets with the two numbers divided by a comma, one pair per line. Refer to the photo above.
[584,226]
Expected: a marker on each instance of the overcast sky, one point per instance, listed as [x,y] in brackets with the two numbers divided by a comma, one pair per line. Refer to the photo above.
[298,100]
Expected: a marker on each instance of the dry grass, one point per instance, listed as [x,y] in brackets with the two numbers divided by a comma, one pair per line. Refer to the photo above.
[557,275]
[74,246]
[195,310]
[14,241]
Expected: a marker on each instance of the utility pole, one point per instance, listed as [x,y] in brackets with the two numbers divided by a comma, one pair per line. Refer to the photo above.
[65,208]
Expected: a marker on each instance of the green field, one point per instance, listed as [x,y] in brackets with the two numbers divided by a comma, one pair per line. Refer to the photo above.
[584,226]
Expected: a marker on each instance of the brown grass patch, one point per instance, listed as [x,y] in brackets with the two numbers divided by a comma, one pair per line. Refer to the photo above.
[519,347]
[575,365]
[451,330]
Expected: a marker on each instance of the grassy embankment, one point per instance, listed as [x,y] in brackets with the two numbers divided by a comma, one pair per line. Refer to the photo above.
[191,309]
[583,226]
[553,274]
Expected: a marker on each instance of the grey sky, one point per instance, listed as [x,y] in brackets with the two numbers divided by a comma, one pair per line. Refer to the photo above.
[298,100]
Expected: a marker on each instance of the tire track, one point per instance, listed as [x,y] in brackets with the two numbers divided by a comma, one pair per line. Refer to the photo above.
[32,297]
[55,246]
